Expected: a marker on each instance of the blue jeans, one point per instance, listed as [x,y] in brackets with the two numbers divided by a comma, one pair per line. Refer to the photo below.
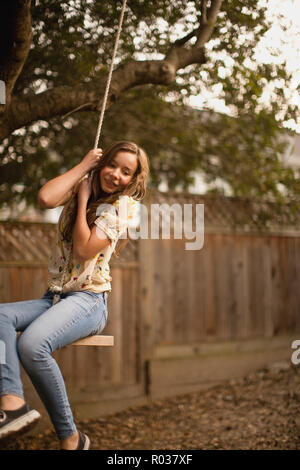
[46,328]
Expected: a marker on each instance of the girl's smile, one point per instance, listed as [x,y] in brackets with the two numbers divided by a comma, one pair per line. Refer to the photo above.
[118,173]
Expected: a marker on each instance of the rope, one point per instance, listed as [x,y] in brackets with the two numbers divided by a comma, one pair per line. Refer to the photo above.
[109,76]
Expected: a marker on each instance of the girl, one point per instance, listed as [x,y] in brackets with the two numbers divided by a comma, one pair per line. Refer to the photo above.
[95,215]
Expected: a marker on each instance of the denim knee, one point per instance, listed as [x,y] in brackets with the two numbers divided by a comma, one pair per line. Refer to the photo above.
[6,316]
[31,350]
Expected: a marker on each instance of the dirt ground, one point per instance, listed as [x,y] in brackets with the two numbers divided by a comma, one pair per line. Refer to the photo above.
[260,411]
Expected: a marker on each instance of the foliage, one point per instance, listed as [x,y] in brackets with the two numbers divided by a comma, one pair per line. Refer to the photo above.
[72,43]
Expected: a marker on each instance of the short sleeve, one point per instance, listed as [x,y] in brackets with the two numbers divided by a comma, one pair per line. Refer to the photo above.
[113,218]
[131,208]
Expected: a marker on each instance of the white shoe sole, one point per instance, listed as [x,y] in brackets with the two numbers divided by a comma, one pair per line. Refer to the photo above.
[19,423]
[86,444]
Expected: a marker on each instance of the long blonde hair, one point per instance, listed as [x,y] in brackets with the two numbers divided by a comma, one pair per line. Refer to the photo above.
[136,188]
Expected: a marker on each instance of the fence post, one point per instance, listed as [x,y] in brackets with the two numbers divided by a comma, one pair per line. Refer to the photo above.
[146,277]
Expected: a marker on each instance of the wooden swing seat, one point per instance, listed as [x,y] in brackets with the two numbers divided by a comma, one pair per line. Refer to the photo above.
[96,340]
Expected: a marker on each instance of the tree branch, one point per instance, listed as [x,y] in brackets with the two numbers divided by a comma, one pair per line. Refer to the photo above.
[203,8]
[182,56]
[180,42]
[61,100]
[208,21]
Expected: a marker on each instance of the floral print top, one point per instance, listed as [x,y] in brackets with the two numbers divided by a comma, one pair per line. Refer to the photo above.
[94,274]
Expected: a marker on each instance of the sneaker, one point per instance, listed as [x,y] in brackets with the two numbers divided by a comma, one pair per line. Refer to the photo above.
[83,441]
[13,421]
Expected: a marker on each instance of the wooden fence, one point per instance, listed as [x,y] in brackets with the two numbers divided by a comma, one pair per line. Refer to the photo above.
[240,286]
[175,314]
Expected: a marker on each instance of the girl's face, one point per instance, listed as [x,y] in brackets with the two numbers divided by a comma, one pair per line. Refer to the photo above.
[118,173]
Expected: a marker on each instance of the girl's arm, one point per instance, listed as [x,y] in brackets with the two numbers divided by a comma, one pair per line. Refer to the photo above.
[86,243]
[55,192]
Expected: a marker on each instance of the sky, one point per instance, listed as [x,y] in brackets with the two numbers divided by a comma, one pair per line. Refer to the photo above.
[285,43]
